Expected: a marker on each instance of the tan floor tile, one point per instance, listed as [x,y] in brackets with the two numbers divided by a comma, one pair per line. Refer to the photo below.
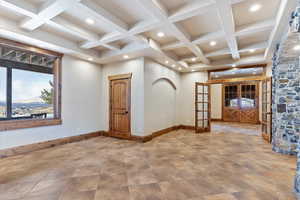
[146,192]
[231,163]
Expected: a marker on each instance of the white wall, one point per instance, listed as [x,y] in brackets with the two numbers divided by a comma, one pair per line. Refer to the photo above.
[216,101]
[187,96]
[136,67]
[81,106]
[161,98]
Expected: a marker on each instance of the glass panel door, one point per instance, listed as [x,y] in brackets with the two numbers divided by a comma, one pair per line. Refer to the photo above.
[202,104]
[267,109]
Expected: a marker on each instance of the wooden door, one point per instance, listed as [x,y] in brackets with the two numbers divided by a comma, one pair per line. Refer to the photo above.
[267,109]
[120,105]
[231,108]
[202,108]
[249,101]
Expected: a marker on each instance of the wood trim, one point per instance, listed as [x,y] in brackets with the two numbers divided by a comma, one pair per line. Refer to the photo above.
[47,144]
[234,80]
[57,84]
[187,127]
[27,123]
[120,76]
[216,120]
[30,48]
[53,143]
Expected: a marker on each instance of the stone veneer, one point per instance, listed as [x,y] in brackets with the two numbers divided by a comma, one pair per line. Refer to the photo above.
[286,97]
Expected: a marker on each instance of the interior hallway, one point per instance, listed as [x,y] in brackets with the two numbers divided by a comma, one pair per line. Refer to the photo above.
[234,127]
[179,165]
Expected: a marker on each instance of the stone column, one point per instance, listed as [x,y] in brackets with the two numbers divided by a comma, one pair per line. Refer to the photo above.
[286,101]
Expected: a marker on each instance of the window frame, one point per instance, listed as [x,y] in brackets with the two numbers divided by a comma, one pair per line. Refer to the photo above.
[11,124]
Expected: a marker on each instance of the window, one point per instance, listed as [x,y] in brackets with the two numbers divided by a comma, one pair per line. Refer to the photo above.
[29,87]
[2,92]
[32,94]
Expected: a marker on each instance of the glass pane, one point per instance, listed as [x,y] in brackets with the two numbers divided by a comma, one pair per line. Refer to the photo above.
[200,97]
[200,88]
[32,94]
[2,92]
[205,89]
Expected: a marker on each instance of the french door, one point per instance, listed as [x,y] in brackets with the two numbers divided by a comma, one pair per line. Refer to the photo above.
[266,119]
[202,108]
[241,102]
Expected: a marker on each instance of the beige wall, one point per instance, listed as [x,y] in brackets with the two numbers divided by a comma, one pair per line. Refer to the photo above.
[162,86]
[136,67]
[187,96]
[81,106]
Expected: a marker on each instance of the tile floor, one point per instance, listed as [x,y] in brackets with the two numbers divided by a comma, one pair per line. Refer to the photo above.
[178,166]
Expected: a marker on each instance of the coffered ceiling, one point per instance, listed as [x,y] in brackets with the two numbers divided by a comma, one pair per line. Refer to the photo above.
[181,34]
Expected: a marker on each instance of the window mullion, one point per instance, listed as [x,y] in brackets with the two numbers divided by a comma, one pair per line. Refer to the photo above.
[9,93]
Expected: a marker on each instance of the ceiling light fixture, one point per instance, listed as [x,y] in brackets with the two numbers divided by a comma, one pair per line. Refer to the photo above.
[89,21]
[125,56]
[255,7]
[252,50]
[180,68]
[90,59]
[167,62]
[233,65]
[160,34]
[173,65]
[193,70]
[212,43]
[297,48]
[193,59]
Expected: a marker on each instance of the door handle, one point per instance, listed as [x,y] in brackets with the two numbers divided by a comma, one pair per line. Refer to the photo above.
[124,113]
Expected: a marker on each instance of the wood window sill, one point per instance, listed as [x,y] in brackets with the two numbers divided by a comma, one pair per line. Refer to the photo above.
[27,123]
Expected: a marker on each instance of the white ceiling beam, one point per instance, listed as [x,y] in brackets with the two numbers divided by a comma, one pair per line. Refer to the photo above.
[257,59]
[281,26]
[226,51]
[102,15]
[21,7]
[193,9]
[173,45]
[257,46]
[227,21]
[209,36]
[159,12]
[10,30]
[65,26]
[255,27]
[49,10]
[220,52]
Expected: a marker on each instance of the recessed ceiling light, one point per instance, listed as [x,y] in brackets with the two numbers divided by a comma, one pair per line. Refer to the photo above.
[180,68]
[255,7]
[193,70]
[90,59]
[233,65]
[212,43]
[193,59]
[167,62]
[160,34]
[297,48]
[125,56]
[89,21]
[252,50]
[173,65]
